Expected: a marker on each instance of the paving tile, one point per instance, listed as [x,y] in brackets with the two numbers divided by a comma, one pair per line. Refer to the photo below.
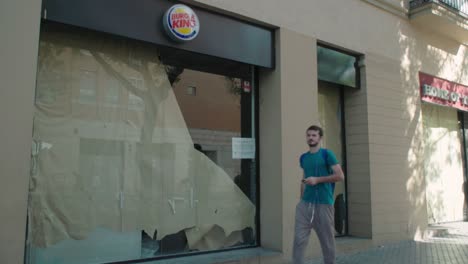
[449,247]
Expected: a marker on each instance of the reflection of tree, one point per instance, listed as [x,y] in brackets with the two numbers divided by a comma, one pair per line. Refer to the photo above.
[51,75]
[234,85]
[173,73]
[48,58]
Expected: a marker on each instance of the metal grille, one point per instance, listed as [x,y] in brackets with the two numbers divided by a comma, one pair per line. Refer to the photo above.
[458,5]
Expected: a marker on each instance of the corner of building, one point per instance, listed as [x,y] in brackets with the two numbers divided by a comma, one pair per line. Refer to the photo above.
[20,38]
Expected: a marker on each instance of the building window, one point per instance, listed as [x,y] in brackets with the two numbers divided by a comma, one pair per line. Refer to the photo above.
[88,85]
[192,90]
[112,97]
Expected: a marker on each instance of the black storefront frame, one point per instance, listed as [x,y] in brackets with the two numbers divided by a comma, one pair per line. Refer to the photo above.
[256,169]
[255,93]
[463,123]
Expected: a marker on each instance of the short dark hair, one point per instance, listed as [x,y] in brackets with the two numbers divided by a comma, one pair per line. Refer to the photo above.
[316,128]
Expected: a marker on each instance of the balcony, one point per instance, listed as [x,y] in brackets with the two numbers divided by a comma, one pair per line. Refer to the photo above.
[448,18]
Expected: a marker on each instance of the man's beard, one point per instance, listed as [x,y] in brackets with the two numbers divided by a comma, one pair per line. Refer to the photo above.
[312,145]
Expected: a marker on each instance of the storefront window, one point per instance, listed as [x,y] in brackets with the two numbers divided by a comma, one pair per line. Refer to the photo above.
[337,67]
[147,170]
[330,117]
[443,164]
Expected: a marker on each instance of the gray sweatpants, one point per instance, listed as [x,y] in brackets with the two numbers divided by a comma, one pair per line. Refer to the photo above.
[319,217]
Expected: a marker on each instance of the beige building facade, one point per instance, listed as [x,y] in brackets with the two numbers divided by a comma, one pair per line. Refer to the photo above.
[405,158]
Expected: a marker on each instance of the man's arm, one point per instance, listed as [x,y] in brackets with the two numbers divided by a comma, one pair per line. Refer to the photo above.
[337,176]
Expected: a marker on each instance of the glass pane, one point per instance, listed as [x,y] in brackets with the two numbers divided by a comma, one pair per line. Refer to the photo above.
[330,108]
[148,169]
[336,67]
[442,161]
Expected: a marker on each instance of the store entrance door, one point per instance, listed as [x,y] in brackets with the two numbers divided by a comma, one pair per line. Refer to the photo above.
[331,117]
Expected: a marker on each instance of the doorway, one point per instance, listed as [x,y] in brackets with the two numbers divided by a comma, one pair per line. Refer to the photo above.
[331,118]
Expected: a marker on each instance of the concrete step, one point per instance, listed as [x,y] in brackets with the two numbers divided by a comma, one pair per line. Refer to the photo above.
[437,232]
[444,229]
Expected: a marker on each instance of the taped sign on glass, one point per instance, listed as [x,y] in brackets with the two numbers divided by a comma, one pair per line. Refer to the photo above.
[243,148]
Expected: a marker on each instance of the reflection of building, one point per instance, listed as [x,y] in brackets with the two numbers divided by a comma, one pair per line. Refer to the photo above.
[135,162]
[212,112]
[405,158]
[96,96]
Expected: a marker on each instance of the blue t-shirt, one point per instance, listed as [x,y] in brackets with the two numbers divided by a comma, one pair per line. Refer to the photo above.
[314,165]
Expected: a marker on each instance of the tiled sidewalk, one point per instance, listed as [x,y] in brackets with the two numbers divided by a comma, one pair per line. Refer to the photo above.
[447,246]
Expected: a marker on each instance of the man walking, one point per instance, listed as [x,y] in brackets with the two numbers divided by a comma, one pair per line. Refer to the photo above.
[315,209]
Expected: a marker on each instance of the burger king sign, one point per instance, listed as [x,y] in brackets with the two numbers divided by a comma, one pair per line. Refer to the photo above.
[181,23]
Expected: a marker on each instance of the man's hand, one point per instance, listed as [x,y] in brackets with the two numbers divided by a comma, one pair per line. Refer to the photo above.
[335,177]
[311,181]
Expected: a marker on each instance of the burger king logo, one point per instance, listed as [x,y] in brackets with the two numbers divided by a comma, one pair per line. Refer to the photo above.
[181,23]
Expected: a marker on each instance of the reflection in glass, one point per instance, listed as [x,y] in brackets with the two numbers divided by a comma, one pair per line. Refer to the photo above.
[330,114]
[336,67]
[152,177]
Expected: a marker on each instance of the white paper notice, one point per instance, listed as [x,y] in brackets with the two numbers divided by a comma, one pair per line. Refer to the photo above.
[243,148]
